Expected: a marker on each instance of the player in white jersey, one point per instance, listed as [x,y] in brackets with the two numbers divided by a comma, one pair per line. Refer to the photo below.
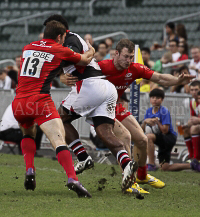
[94,98]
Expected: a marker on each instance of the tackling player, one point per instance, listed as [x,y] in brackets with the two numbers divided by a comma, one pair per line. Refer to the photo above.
[121,71]
[41,61]
[95,98]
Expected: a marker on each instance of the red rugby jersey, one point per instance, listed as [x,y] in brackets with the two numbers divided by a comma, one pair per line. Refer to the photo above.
[122,79]
[40,63]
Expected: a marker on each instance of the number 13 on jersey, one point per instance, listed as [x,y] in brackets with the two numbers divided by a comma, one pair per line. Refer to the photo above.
[33,62]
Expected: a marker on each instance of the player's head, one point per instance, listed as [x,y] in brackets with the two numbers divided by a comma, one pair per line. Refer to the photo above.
[57,17]
[56,31]
[124,53]
[194,88]
[156,97]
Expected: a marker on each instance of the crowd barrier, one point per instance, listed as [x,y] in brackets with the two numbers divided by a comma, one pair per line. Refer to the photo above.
[178,104]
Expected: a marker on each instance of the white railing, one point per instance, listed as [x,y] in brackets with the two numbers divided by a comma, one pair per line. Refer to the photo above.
[91,12]
[110,35]
[178,19]
[26,18]
[175,64]
[7,61]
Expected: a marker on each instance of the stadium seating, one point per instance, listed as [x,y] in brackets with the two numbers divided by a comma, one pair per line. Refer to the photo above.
[143,21]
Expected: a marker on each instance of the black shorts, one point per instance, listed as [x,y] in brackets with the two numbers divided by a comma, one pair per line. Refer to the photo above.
[165,143]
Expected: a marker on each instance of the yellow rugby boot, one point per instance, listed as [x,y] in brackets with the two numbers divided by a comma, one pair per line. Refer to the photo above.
[151,180]
[136,189]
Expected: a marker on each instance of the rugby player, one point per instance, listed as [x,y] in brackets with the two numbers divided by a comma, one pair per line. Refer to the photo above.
[41,61]
[95,98]
[121,71]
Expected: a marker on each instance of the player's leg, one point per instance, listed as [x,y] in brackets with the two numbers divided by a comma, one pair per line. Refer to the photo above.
[28,147]
[124,135]
[138,138]
[104,130]
[151,148]
[195,134]
[55,132]
[188,141]
[73,140]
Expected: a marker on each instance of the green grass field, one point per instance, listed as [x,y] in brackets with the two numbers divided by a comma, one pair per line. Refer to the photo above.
[180,197]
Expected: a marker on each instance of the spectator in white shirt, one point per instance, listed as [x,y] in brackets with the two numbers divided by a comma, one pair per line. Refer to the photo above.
[6,82]
[173,47]
[195,62]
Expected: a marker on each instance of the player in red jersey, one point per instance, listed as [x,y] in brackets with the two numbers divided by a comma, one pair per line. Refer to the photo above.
[41,61]
[121,71]
[192,129]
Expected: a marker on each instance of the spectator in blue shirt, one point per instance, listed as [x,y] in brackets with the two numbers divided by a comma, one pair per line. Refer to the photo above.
[159,130]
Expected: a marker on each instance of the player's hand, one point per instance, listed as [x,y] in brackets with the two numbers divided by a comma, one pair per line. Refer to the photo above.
[185,79]
[90,46]
[68,79]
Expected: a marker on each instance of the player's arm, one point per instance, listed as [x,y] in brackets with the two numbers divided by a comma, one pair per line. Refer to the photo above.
[87,56]
[170,80]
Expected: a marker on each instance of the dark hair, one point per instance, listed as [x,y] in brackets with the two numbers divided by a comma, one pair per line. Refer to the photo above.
[198,93]
[103,42]
[157,92]
[185,47]
[181,31]
[171,25]
[195,83]
[174,40]
[57,17]
[182,68]
[53,29]
[146,49]
[125,43]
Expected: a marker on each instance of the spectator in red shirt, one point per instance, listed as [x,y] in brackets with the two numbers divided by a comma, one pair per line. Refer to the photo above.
[183,50]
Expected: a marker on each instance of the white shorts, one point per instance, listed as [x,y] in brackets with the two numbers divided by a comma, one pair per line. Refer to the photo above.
[92,97]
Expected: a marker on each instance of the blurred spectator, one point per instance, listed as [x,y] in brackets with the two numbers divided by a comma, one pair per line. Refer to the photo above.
[41,36]
[109,42]
[166,58]
[90,39]
[17,60]
[146,57]
[183,50]
[171,35]
[180,88]
[181,32]
[173,47]
[6,82]
[191,131]
[98,56]
[147,86]
[102,49]
[112,53]
[195,62]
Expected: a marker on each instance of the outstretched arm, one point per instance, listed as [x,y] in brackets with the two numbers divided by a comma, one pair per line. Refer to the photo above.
[170,80]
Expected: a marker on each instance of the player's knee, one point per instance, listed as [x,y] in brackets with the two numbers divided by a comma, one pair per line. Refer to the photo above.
[142,143]
[164,167]
[150,137]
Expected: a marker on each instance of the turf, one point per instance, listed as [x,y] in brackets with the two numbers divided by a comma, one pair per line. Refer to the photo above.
[180,197]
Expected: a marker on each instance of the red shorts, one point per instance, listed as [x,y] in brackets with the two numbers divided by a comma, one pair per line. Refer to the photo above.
[121,112]
[34,109]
